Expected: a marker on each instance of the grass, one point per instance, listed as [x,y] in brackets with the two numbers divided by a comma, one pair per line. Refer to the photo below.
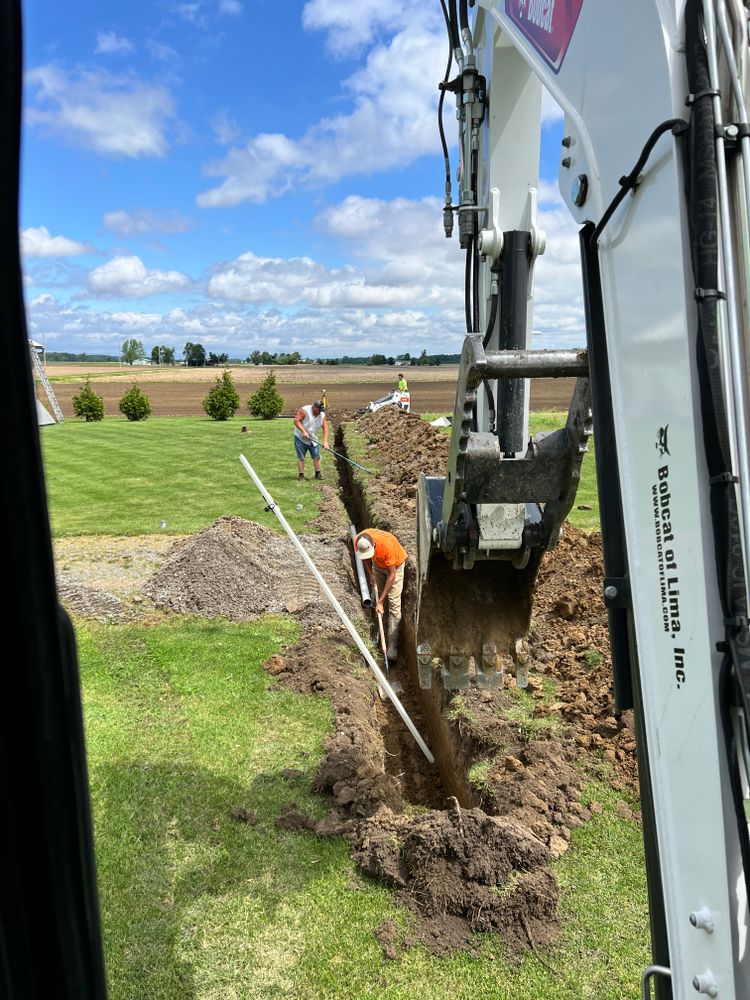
[182,726]
[550,420]
[120,478]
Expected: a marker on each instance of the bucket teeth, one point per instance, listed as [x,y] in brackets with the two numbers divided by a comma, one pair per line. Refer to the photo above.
[489,675]
[424,664]
[456,674]
[460,671]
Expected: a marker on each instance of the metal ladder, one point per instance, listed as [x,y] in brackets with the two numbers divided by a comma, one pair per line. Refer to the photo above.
[39,369]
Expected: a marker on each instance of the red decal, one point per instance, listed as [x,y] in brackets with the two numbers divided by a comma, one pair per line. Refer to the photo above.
[548,25]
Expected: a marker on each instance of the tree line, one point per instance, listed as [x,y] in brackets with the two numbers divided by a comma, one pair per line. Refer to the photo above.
[196,356]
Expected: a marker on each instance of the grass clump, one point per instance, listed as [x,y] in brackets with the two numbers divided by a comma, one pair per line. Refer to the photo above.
[592,657]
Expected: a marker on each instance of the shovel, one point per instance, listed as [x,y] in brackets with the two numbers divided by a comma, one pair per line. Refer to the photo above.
[396,685]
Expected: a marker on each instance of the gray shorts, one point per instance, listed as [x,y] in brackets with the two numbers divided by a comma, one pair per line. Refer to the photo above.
[303,445]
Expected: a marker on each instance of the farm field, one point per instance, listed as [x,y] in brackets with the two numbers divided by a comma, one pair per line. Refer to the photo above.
[179,392]
[241,761]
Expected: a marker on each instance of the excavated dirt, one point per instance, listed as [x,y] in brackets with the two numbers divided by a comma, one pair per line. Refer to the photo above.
[465,844]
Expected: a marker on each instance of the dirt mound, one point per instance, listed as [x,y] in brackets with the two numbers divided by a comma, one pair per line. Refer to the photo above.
[404,445]
[239,570]
[463,871]
[570,643]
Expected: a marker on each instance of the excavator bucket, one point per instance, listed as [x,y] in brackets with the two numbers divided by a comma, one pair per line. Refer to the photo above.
[483,529]
[470,623]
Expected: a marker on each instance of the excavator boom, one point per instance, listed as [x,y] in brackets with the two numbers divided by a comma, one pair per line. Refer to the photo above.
[655,169]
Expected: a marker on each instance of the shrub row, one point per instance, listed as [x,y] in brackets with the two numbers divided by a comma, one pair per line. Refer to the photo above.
[221,403]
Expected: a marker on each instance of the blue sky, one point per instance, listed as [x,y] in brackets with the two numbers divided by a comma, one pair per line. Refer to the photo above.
[251,174]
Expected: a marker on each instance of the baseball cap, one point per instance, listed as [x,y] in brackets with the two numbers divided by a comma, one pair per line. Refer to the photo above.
[319,405]
[365,548]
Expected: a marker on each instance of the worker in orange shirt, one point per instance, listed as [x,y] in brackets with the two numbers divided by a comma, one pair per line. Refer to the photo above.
[384,558]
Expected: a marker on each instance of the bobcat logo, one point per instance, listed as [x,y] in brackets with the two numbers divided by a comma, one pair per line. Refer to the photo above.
[662,444]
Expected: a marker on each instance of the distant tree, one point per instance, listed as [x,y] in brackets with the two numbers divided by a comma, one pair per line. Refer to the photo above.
[377,359]
[194,354]
[161,355]
[212,360]
[267,359]
[223,358]
[87,404]
[256,357]
[223,400]
[135,404]
[132,351]
[267,401]
[423,359]
[390,361]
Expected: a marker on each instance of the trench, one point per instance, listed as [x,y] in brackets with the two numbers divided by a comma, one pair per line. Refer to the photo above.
[422,784]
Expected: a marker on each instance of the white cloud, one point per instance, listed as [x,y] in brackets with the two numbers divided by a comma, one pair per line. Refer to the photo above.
[350,26]
[551,110]
[191,12]
[399,108]
[110,43]
[231,7]
[39,242]
[128,277]
[159,50]
[226,128]
[115,115]
[142,221]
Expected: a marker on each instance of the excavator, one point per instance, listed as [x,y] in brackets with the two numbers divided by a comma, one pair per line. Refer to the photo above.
[655,169]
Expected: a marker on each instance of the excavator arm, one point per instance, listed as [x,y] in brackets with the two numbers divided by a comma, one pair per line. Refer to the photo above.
[655,168]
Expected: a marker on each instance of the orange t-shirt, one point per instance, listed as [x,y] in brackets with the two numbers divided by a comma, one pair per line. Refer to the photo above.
[388,550]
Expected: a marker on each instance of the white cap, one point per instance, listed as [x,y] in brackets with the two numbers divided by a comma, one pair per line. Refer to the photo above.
[365,548]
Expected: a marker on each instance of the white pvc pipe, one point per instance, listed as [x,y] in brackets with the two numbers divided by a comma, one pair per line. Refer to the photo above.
[361,576]
[379,675]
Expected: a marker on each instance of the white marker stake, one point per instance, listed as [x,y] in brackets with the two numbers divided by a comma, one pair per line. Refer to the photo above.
[379,675]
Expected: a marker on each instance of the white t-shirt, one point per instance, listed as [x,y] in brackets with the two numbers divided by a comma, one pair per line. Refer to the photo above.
[310,422]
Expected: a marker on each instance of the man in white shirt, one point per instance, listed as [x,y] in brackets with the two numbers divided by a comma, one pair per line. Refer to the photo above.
[308,424]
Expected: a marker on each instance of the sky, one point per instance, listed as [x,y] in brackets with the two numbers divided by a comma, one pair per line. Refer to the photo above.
[253,175]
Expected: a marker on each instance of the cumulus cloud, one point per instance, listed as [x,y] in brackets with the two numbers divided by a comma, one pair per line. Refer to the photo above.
[110,43]
[143,221]
[39,242]
[351,26]
[398,108]
[128,277]
[114,115]
[231,7]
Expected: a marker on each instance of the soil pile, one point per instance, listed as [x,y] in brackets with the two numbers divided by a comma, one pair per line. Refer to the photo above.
[404,445]
[239,570]
[463,871]
[570,643]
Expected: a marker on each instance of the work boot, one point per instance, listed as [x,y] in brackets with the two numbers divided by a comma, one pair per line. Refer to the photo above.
[318,475]
[301,476]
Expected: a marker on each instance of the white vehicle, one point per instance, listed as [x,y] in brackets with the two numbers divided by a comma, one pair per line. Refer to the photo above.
[394,398]
[655,168]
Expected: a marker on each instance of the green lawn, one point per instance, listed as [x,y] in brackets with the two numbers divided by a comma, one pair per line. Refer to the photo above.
[183,725]
[120,478]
